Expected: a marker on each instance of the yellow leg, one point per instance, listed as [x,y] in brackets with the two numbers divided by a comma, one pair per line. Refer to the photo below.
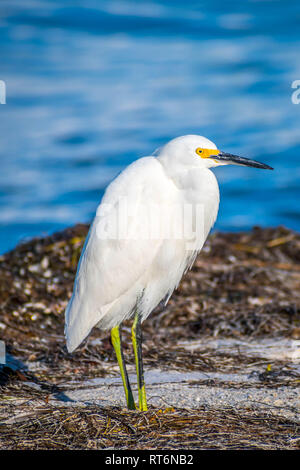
[137,347]
[116,341]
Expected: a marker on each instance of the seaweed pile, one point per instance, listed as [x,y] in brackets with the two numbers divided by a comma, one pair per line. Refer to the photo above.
[94,428]
[243,285]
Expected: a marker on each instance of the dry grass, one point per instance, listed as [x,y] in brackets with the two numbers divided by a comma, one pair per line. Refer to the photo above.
[49,427]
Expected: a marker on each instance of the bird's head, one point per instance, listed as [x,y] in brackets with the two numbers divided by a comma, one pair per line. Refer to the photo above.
[196,151]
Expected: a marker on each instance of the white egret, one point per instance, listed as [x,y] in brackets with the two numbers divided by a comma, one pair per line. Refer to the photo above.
[126,268]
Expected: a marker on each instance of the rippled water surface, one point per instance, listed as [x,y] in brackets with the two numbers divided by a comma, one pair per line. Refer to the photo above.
[93,86]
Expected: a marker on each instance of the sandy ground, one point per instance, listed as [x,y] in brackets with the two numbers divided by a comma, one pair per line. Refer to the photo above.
[256,384]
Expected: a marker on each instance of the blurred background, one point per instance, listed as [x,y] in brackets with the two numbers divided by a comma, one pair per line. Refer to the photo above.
[94,84]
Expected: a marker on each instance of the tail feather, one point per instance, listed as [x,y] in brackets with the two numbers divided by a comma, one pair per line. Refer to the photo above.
[77,324]
[80,318]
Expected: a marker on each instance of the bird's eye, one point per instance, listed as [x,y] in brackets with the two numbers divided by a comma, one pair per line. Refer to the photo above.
[198,151]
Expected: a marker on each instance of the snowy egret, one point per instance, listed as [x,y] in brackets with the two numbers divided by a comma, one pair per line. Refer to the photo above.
[126,268]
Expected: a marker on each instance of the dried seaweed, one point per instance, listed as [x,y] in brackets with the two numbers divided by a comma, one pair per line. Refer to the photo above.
[243,285]
[94,428]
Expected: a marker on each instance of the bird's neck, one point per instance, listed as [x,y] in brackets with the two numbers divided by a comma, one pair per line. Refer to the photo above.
[189,178]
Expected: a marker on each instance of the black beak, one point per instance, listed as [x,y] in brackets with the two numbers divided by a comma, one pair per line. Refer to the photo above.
[234,159]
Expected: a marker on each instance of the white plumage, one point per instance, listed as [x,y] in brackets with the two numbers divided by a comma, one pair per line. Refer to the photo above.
[114,275]
[118,273]
[152,221]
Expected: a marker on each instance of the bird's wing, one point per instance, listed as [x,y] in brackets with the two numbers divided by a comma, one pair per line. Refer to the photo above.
[110,265]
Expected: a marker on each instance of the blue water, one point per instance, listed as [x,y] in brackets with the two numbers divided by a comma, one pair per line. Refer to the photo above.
[93,86]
